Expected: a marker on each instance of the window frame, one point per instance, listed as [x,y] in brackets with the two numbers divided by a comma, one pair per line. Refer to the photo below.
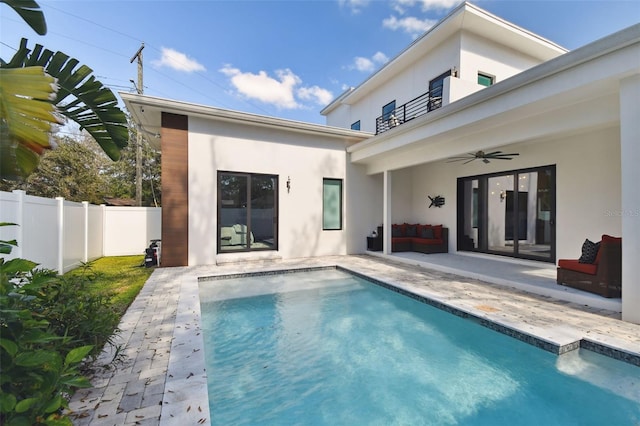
[276,209]
[340,209]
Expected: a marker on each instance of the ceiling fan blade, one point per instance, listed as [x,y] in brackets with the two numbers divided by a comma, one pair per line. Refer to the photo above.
[491,154]
[506,155]
[468,161]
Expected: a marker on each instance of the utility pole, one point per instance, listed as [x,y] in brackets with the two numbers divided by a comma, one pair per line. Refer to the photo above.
[140,90]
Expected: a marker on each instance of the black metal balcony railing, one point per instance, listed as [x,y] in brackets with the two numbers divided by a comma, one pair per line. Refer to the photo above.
[412,109]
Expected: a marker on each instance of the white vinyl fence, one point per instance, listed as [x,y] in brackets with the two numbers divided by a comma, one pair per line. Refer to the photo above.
[59,234]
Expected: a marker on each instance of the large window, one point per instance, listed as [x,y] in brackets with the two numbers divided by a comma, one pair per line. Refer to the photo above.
[510,213]
[436,87]
[332,204]
[247,212]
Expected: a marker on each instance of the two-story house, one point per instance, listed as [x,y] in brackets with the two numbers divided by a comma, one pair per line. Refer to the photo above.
[532,148]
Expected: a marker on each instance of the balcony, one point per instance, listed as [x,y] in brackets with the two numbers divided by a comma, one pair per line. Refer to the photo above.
[414,108]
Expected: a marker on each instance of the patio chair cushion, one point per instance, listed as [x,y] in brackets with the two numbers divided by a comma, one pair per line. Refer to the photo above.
[576,265]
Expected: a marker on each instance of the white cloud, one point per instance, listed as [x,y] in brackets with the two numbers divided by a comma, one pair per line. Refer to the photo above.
[401,5]
[355,5]
[178,61]
[380,58]
[410,24]
[279,91]
[368,64]
[315,94]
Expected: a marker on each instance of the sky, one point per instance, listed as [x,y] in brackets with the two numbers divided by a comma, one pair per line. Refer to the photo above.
[285,59]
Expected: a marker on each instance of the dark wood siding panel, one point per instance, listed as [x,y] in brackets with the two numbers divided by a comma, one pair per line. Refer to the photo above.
[175,190]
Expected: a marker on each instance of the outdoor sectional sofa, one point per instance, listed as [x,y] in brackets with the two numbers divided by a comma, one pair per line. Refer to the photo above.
[599,269]
[419,238]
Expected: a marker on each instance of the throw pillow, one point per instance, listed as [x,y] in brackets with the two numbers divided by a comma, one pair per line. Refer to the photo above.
[396,231]
[427,232]
[589,251]
[412,231]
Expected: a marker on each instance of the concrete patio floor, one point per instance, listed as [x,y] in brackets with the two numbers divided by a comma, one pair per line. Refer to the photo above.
[161,379]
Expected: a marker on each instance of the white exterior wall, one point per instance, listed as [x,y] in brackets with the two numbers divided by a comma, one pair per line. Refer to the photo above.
[305,159]
[478,54]
[469,53]
[406,85]
[585,164]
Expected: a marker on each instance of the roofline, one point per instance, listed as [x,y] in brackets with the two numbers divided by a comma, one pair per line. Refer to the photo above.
[133,100]
[429,33]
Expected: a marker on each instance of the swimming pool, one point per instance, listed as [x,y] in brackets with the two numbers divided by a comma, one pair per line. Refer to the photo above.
[326,347]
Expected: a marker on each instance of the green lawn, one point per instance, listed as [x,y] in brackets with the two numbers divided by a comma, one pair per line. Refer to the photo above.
[121,277]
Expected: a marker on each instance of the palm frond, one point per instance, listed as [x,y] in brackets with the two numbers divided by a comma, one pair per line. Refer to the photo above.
[30,11]
[80,97]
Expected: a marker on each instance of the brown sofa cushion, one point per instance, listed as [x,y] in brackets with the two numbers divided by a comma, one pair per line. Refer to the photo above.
[575,265]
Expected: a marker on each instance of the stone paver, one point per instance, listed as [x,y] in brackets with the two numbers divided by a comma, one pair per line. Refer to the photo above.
[161,379]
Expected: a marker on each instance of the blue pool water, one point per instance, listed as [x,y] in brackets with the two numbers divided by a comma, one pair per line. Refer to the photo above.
[327,348]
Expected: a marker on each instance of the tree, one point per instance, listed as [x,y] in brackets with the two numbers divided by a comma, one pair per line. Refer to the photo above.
[74,170]
[38,86]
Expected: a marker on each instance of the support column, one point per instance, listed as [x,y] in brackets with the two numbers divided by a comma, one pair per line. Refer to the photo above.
[386,216]
[630,152]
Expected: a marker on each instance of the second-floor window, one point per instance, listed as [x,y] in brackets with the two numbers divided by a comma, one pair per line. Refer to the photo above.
[387,110]
[356,125]
[485,79]
[435,90]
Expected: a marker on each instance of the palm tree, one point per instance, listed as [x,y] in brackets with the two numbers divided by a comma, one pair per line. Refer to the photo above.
[37,88]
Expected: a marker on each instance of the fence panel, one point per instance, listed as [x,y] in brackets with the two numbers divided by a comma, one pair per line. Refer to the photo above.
[40,231]
[95,232]
[128,230]
[10,213]
[59,234]
[73,230]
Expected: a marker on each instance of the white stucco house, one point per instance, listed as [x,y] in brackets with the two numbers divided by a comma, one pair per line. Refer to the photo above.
[434,121]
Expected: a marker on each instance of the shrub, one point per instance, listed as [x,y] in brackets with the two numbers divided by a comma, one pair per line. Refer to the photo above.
[45,325]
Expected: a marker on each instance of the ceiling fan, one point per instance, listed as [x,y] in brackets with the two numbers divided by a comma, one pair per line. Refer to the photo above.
[484,156]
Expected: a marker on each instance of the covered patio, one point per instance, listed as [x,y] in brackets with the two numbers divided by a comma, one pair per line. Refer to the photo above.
[538,278]
[583,129]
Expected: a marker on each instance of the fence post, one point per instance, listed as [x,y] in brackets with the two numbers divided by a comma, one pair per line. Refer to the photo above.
[19,250]
[60,201]
[85,207]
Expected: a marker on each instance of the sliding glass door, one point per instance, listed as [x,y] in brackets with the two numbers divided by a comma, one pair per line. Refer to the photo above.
[509,213]
[247,212]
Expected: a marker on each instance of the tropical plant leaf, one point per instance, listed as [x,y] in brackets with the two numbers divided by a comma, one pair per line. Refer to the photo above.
[27,116]
[80,96]
[78,354]
[30,11]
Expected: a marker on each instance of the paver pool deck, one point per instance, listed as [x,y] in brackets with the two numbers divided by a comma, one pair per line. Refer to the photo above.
[161,379]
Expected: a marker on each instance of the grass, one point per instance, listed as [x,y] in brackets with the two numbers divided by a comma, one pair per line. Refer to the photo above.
[121,277]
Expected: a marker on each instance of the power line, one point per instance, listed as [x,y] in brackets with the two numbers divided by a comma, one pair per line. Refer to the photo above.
[205,77]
